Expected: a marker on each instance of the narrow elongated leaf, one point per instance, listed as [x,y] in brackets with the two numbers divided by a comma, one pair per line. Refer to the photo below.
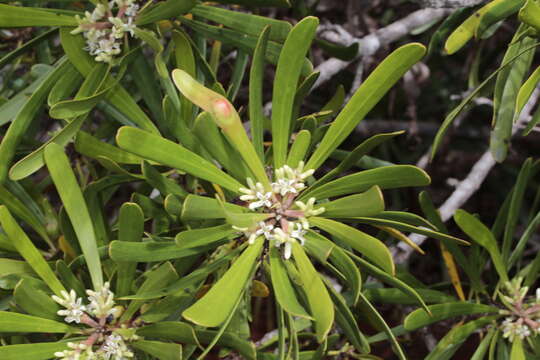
[164,10]
[299,148]
[76,208]
[25,116]
[215,306]
[517,352]
[256,80]
[453,340]
[202,207]
[33,297]
[525,91]
[166,152]
[372,248]
[283,288]
[481,234]
[247,23]
[226,118]
[287,74]
[28,251]
[529,13]
[18,16]
[388,177]
[34,351]
[420,317]
[130,229]
[204,235]
[368,203]
[365,98]
[161,350]
[10,266]
[15,322]
[320,304]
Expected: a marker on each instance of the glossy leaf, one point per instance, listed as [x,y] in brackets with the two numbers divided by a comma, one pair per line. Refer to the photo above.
[202,207]
[287,75]
[283,288]
[367,203]
[28,251]
[15,322]
[34,351]
[388,177]
[372,248]
[420,318]
[389,71]
[216,305]
[320,304]
[166,152]
[33,297]
[481,234]
[18,16]
[160,350]
[226,118]
[203,235]
[76,208]
[164,10]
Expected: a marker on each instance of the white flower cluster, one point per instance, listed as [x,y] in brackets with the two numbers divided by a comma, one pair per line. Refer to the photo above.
[100,306]
[103,31]
[286,224]
[514,328]
[524,314]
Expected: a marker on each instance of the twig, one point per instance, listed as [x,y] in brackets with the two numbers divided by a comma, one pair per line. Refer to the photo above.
[371,43]
[468,186]
[450,4]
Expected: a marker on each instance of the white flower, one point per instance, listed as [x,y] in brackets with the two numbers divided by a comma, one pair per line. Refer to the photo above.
[512,329]
[131,10]
[266,230]
[74,307]
[298,233]
[101,302]
[115,348]
[263,200]
[308,208]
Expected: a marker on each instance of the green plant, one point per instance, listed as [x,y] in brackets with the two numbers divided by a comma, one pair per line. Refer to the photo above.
[504,309]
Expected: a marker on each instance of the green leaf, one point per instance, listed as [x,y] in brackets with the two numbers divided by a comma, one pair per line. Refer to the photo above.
[287,75]
[166,152]
[150,251]
[506,90]
[34,161]
[453,340]
[347,322]
[499,10]
[202,207]
[225,117]
[162,183]
[320,304]
[517,352]
[34,351]
[352,158]
[299,148]
[258,3]
[20,323]
[420,317]
[164,10]
[90,146]
[529,13]
[33,297]
[155,279]
[525,91]
[28,251]
[216,305]
[9,267]
[75,205]
[365,98]
[158,349]
[246,23]
[379,320]
[22,209]
[27,46]
[17,16]
[387,177]
[256,80]
[24,117]
[372,248]
[481,234]
[368,203]
[198,237]
[283,288]
[130,229]
[73,46]
[396,296]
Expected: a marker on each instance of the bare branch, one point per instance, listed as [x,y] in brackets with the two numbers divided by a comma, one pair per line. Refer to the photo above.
[450,4]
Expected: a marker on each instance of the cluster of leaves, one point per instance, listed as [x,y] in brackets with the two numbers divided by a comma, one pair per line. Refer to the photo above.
[218,227]
[509,86]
